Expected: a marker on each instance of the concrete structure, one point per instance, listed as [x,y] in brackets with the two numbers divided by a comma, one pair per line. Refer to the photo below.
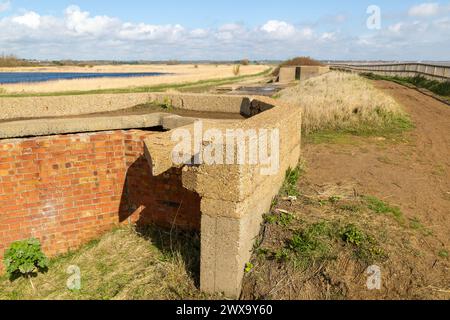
[68,189]
[300,73]
[429,71]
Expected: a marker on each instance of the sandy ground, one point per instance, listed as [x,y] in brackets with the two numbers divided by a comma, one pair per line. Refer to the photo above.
[178,74]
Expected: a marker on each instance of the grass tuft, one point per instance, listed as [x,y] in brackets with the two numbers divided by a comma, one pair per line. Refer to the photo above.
[381,207]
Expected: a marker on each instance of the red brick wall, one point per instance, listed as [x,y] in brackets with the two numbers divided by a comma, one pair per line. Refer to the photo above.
[66,190]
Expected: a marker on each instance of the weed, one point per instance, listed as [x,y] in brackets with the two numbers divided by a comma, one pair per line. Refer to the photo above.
[350,207]
[249,267]
[381,207]
[443,254]
[282,255]
[289,187]
[283,219]
[334,199]
[313,242]
[352,235]
[270,219]
[25,258]
[276,96]
[167,104]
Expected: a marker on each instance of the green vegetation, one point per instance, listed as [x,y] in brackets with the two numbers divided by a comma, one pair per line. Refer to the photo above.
[25,258]
[167,105]
[248,267]
[323,240]
[352,235]
[313,242]
[392,127]
[283,219]
[443,254]
[289,187]
[438,87]
[381,207]
[157,88]
[126,263]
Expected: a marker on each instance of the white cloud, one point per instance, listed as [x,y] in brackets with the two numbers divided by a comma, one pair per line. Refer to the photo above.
[424,10]
[4,6]
[142,31]
[80,22]
[328,36]
[443,23]
[278,29]
[77,34]
[30,19]
[396,28]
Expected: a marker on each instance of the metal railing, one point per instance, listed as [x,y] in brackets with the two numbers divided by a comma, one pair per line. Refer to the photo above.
[430,71]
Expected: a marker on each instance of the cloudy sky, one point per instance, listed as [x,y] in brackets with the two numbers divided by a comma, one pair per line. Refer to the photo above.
[225,29]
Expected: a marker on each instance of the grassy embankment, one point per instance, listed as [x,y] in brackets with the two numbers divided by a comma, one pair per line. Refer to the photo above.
[338,105]
[442,89]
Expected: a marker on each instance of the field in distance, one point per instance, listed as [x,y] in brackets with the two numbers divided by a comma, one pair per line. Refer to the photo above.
[185,73]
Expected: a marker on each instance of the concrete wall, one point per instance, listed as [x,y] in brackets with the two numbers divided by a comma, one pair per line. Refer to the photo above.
[68,190]
[233,197]
[302,73]
[59,106]
[429,71]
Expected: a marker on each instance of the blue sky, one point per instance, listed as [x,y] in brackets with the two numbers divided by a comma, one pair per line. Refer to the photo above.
[170,29]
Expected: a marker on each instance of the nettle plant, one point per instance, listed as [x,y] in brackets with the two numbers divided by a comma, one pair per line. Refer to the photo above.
[25,259]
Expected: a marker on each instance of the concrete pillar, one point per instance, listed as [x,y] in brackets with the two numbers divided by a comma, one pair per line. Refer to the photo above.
[226,246]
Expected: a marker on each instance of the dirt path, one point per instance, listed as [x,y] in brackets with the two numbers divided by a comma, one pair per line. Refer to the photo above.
[414,175]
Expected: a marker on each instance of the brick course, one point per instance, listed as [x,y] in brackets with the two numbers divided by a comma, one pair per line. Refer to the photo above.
[69,189]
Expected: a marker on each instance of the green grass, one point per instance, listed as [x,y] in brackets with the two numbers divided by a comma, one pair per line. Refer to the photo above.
[283,219]
[289,187]
[443,254]
[393,127]
[156,88]
[321,241]
[438,87]
[381,207]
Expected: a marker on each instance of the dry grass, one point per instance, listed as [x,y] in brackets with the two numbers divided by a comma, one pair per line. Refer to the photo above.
[124,264]
[342,101]
[178,74]
[11,61]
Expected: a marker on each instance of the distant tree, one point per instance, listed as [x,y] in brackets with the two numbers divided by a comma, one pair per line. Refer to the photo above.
[245,62]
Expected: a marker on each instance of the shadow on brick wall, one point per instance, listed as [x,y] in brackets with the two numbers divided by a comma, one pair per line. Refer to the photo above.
[164,212]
